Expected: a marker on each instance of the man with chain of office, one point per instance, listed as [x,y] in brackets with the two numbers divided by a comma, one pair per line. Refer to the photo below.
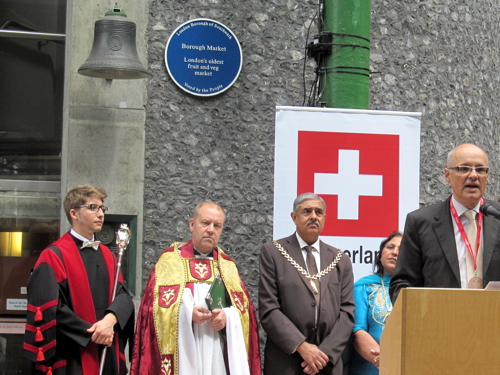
[184,326]
[306,301]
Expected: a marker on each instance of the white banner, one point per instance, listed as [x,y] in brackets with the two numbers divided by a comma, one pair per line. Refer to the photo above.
[364,164]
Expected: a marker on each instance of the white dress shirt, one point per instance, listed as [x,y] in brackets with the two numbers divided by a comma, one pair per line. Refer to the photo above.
[461,248]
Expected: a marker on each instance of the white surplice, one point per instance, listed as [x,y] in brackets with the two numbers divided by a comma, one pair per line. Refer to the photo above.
[200,348]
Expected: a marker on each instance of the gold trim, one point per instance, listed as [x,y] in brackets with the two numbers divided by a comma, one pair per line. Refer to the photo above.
[169,270]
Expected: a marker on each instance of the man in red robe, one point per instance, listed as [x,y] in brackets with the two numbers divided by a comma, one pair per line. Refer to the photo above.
[71,313]
[176,333]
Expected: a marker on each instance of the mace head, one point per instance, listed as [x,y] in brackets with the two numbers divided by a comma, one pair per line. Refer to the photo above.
[123,236]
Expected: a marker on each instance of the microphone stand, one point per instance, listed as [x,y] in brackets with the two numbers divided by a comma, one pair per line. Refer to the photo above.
[122,239]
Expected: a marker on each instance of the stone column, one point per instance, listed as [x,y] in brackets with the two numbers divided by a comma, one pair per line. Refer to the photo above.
[103,120]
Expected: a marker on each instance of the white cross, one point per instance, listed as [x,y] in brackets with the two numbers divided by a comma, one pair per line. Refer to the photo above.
[348,184]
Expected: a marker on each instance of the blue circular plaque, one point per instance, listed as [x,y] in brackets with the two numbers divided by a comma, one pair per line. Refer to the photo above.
[203,57]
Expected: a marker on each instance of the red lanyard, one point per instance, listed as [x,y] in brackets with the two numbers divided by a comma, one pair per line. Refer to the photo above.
[464,235]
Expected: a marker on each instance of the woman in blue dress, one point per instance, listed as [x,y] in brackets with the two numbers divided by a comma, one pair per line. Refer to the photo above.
[373,307]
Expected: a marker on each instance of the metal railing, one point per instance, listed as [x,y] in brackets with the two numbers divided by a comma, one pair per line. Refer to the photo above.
[32,35]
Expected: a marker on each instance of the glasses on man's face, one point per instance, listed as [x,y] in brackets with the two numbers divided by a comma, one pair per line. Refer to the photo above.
[465,169]
[94,208]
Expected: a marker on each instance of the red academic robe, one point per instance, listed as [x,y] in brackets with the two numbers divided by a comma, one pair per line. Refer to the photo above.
[62,305]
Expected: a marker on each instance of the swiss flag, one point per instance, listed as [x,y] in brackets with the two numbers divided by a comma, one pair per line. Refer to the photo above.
[367,179]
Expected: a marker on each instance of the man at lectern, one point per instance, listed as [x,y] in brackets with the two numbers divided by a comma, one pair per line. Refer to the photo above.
[452,244]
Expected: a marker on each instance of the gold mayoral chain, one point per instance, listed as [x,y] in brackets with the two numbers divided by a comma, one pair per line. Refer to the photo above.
[303,271]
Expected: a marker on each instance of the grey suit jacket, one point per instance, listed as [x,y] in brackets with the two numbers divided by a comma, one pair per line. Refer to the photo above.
[428,254]
[287,308]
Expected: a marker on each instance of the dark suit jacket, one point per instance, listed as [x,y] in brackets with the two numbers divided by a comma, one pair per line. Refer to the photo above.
[287,308]
[428,254]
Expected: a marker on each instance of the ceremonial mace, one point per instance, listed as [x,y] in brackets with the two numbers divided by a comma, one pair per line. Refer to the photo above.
[122,239]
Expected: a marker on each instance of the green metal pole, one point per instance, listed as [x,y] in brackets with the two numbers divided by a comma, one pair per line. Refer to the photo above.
[345,78]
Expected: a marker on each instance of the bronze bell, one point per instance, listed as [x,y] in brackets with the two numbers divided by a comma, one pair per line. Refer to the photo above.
[114,54]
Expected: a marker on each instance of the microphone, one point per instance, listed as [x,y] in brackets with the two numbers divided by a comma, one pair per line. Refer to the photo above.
[489,210]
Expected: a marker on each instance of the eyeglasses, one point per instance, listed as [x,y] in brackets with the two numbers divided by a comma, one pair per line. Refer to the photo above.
[465,169]
[94,208]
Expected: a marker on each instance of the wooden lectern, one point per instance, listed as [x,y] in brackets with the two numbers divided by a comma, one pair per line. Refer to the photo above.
[442,331]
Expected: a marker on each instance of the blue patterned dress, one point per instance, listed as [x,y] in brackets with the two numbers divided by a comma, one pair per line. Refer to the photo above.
[373,306]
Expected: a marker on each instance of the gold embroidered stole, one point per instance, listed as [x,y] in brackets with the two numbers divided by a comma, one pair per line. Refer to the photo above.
[172,273]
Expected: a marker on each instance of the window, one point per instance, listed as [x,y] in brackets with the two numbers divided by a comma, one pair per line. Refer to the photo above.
[31,93]
[31,100]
